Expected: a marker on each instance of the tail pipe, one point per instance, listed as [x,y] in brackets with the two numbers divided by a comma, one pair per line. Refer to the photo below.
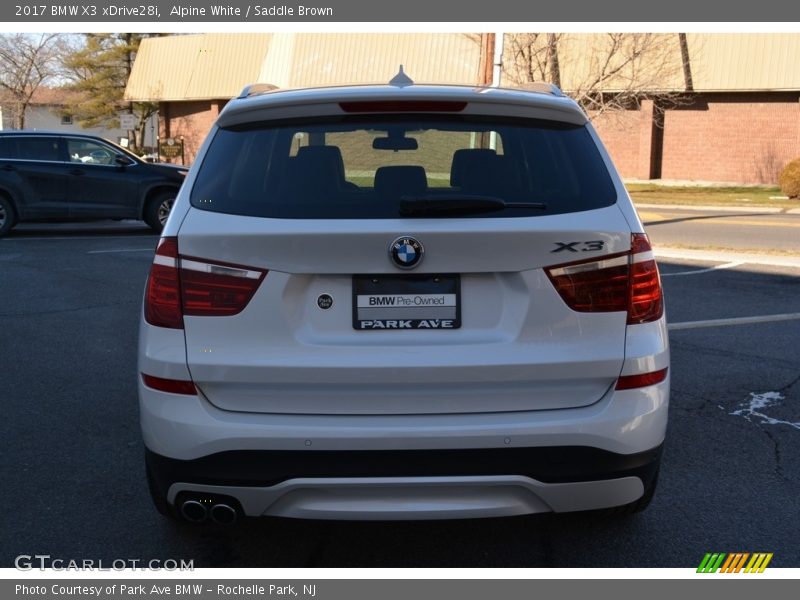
[194,511]
[223,514]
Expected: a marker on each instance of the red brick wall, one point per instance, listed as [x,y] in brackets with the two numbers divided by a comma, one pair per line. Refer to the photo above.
[190,120]
[744,137]
[620,134]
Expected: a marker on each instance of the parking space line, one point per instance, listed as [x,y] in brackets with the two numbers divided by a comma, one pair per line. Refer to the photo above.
[729,265]
[725,256]
[734,321]
[710,208]
[121,250]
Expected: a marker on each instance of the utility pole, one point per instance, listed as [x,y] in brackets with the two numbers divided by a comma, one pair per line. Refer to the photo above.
[553,68]
[687,66]
[489,71]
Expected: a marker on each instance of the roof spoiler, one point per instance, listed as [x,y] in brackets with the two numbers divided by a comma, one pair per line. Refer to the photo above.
[257,88]
[540,87]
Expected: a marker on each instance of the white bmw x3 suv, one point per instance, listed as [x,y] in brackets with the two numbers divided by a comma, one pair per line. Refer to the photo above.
[402,302]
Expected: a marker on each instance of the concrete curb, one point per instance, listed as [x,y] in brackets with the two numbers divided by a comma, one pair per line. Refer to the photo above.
[706,208]
[694,183]
[728,256]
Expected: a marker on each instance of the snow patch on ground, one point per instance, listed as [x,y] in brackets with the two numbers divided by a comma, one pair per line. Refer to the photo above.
[753,408]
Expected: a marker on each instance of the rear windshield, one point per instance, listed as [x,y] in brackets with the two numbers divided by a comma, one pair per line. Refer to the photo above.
[364,168]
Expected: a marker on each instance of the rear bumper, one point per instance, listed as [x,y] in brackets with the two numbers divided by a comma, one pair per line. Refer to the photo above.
[408,484]
[189,427]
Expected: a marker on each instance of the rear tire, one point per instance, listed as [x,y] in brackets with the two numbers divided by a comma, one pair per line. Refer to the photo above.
[8,216]
[158,209]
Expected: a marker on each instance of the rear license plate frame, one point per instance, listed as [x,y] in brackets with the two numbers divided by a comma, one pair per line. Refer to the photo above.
[413,294]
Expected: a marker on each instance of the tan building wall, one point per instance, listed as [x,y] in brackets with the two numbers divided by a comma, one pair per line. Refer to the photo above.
[742,124]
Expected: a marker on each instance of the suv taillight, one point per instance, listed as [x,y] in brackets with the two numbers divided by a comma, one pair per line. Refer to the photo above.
[646,302]
[180,285]
[620,282]
[162,300]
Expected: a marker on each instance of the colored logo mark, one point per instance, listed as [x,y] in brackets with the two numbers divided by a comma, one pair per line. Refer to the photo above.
[406,252]
[714,562]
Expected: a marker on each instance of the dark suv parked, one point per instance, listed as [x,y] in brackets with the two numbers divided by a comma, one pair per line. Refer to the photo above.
[68,176]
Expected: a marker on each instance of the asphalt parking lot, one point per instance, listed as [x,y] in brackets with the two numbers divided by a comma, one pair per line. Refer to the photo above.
[74,484]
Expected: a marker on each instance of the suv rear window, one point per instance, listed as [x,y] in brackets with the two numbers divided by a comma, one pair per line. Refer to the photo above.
[31,148]
[361,167]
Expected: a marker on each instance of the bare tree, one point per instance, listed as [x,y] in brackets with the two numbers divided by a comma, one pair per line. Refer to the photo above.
[602,72]
[27,61]
[530,57]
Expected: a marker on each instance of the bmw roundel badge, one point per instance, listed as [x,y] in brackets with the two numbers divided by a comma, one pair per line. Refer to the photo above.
[406,252]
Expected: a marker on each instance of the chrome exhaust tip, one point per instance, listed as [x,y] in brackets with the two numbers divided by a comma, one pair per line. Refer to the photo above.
[194,511]
[223,514]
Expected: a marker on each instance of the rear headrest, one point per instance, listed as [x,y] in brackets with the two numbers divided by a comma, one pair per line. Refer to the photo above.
[402,180]
[469,159]
[321,161]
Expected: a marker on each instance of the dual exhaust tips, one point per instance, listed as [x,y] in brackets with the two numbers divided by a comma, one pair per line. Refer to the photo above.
[220,513]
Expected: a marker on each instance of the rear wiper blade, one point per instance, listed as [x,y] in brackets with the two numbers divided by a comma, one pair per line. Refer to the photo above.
[459,204]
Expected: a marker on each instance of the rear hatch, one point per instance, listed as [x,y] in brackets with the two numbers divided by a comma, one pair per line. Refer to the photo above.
[397,264]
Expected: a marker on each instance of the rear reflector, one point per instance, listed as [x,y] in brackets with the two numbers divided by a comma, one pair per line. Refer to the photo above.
[402,106]
[180,285]
[171,386]
[629,382]
[618,282]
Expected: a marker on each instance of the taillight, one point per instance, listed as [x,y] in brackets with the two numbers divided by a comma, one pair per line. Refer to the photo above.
[162,300]
[180,285]
[595,285]
[403,106]
[646,300]
[619,282]
[216,290]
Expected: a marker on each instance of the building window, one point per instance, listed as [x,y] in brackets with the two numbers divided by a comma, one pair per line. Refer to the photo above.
[66,119]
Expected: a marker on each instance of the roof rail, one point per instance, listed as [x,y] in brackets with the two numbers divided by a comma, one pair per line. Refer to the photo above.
[541,87]
[257,88]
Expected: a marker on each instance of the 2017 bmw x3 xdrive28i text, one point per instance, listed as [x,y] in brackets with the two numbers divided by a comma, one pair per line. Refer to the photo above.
[70,176]
[402,302]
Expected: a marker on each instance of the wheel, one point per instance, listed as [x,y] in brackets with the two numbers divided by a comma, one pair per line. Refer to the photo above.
[158,209]
[7,216]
